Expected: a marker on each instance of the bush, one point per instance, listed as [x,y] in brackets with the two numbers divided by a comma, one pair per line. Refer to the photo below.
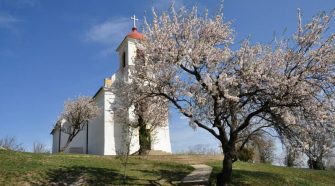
[245,154]
[10,143]
[201,149]
[40,148]
[266,151]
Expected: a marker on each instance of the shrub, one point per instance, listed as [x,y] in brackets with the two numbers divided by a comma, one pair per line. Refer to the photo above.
[245,154]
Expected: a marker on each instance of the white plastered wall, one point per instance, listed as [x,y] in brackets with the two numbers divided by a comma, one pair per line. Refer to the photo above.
[79,141]
[109,135]
[96,128]
[55,141]
[161,138]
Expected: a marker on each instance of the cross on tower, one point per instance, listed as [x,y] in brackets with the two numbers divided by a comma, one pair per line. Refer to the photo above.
[134,18]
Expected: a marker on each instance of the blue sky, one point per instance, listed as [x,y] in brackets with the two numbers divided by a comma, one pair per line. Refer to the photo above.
[54,50]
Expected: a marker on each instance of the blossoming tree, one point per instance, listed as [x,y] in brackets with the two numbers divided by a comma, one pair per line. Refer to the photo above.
[316,139]
[187,58]
[77,113]
[138,112]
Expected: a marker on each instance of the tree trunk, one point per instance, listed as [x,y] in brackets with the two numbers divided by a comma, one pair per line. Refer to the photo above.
[71,136]
[65,146]
[225,177]
[316,164]
[227,170]
[144,137]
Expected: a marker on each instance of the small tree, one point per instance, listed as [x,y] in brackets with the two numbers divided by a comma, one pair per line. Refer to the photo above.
[10,143]
[77,114]
[39,147]
[202,149]
[292,155]
[124,152]
[265,148]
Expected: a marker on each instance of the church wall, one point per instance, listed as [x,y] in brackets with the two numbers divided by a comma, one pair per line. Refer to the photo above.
[134,144]
[55,141]
[63,139]
[96,129]
[131,51]
[109,147]
[118,138]
[78,144]
[116,131]
[161,139]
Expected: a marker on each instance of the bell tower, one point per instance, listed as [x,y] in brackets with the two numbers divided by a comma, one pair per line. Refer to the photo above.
[127,48]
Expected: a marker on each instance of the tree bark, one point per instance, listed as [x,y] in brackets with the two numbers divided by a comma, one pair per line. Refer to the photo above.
[69,140]
[227,169]
[65,146]
[144,137]
[225,177]
[316,164]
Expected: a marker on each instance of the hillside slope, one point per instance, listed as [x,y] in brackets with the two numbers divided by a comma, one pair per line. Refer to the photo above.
[269,175]
[45,169]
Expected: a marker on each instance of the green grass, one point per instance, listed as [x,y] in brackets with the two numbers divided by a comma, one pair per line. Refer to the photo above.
[45,169]
[269,175]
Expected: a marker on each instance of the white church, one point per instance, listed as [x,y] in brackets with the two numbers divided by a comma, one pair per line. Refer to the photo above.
[103,135]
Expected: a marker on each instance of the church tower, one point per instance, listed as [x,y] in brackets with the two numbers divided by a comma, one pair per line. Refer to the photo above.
[127,53]
[127,48]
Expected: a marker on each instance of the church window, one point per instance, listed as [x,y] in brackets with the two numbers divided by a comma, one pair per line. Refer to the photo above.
[123,60]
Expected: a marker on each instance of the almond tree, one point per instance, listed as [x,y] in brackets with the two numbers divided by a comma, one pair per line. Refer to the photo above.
[318,144]
[77,114]
[151,113]
[138,112]
[187,58]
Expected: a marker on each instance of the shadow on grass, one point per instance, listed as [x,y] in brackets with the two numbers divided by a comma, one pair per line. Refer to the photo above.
[248,178]
[80,175]
[243,177]
[166,176]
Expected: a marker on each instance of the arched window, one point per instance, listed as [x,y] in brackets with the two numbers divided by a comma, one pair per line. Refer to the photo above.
[123,62]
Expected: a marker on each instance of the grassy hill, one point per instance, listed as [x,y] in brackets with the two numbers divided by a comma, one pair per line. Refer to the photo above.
[43,169]
[269,175]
